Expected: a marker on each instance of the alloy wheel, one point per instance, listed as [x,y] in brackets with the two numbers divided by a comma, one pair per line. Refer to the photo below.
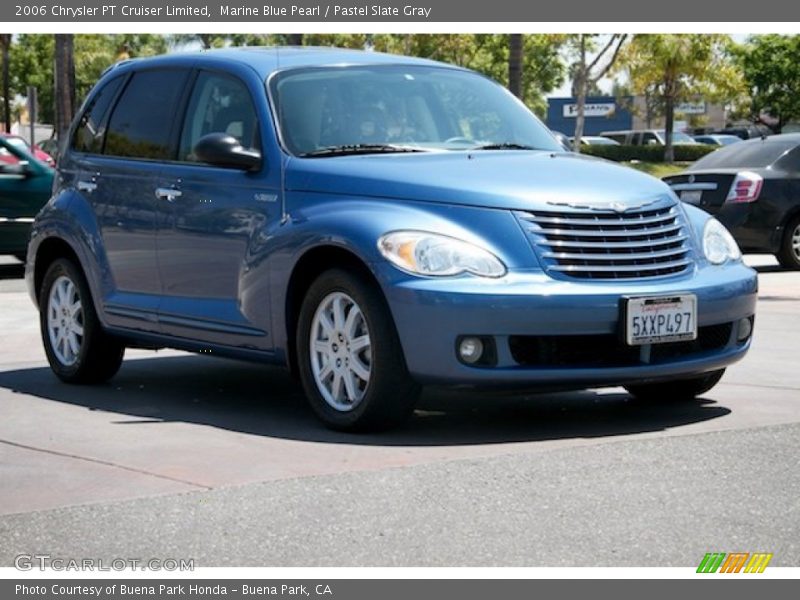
[341,351]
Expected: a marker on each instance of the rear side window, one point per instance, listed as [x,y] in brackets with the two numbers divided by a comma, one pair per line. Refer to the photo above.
[89,133]
[756,154]
[142,121]
[219,104]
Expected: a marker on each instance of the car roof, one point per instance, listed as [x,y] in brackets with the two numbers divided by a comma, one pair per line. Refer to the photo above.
[268,59]
[783,137]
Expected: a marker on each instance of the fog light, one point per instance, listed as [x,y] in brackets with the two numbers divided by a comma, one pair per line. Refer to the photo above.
[745,328]
[470,349]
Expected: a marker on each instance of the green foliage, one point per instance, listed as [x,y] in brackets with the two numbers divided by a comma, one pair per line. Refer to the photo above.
[31,62]
[771,68]
[31,58]
[542,71]
[681,67]
[650,154]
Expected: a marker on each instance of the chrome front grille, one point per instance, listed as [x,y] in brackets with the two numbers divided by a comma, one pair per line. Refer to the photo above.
[606,244]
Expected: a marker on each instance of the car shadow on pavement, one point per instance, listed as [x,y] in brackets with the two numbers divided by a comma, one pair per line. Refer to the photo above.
[770,269]
[266,401]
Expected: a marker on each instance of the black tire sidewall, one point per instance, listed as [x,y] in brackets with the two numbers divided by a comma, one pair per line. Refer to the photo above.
[786,257]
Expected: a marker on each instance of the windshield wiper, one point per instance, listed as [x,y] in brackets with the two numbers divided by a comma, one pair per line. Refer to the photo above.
[504,146]
[346,149]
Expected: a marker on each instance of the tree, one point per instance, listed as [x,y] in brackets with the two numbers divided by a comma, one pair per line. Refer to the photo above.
[515,43]
[5,41]
[542,67]
[586,75]
[771,69]
[681,67]
[32,62]
[64,86]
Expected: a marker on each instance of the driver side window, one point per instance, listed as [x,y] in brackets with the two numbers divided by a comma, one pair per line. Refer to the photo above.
[219,104]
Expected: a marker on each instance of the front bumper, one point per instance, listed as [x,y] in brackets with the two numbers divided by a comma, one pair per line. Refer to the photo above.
[432,314]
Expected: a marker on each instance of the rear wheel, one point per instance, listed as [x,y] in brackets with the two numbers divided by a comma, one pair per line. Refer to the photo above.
[350,361]
[678,389]
[77,348]
[789,254]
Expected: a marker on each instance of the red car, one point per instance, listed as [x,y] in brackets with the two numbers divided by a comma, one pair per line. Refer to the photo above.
[23,144]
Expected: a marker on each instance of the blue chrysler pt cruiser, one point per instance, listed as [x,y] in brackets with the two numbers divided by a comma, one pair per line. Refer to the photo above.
[375,223]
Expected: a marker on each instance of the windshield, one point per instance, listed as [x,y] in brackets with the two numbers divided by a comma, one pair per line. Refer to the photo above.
[18,143]
[385,108]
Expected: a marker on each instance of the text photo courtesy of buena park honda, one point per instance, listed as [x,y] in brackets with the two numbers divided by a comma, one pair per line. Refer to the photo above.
[400,300]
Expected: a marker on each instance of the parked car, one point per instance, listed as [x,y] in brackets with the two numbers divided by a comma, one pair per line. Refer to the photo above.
[647,137]
[25,186]
[50,146]
[375,223]
[746,132]
[595,140]
[36,151]
[717,139]
[753,188]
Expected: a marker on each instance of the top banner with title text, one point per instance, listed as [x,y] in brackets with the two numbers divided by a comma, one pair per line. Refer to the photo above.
[403,11]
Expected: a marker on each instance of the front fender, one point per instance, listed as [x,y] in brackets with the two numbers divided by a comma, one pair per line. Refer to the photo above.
[355,224]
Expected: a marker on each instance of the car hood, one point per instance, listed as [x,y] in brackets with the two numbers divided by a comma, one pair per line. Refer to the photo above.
[520,180]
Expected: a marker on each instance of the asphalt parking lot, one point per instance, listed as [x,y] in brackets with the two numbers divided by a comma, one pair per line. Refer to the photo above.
[195,457]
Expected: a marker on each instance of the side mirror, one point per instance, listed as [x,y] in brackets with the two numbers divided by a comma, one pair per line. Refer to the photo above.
[224,150]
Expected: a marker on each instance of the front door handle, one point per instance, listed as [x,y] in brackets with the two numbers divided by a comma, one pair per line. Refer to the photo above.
[168,194]
[87,186]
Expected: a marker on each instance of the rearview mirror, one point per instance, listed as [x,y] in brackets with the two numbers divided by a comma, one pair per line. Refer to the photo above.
[224,150]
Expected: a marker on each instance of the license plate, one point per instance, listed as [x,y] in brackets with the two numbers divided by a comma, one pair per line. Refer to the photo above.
[691,196]
[660,319]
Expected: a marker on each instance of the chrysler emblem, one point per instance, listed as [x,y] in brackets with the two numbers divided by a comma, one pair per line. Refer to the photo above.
[618,207]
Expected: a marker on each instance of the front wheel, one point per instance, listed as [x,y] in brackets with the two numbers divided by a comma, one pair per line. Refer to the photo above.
[77,348]
[678,389]
[789,254]
[351,365]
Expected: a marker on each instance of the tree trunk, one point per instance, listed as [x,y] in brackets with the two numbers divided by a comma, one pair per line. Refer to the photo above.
[64,75]
[295,39]
[580,84]
[5,39]
[669,124]
[515,64]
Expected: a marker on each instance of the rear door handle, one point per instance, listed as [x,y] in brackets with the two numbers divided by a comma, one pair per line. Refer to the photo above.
[168,194]
[87,186]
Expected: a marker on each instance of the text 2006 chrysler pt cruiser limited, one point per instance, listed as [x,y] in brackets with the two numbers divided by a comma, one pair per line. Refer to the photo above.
[375,223]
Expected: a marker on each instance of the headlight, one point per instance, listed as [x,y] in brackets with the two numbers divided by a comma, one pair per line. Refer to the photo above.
[435,255]
[718,243]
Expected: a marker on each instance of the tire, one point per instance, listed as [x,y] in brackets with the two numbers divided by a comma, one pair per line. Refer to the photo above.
[789,254]
[678,389]
[374,390]
[77,348]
